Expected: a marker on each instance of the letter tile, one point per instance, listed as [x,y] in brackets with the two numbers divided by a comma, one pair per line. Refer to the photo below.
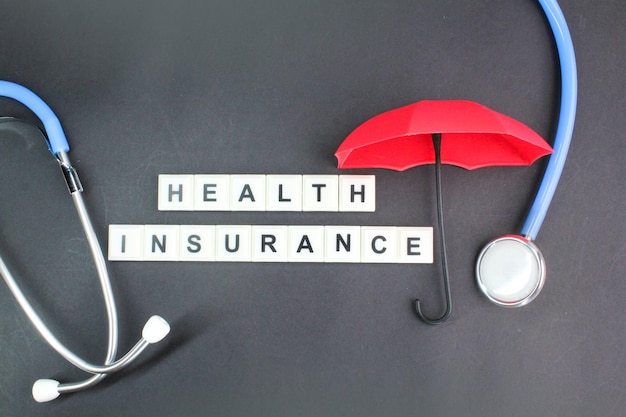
[380,244]
[212,192]
[306,243]
[270,243]
[343,244]
[197,243]
[175,192]
[416,245]
[125,242]
[160,243]
[247,192]
[284,193]
[233,243]
[357,193]
[320,193]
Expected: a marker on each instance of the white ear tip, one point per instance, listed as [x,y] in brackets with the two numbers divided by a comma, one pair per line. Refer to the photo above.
[45,390]
[155,330]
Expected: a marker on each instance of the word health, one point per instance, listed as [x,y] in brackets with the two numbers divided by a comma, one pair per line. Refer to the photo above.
[238,192]
[271,243]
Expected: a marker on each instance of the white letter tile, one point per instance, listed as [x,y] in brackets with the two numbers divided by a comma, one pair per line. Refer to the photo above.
[160,243]
[306,243]
[380,244]
[247,192]
[357,193]
[212,193]
[284,193]
[125,242]
[175,192]
[270,243]
[416,245]
[233,243]
[197,243]
[320,193]
[343,244]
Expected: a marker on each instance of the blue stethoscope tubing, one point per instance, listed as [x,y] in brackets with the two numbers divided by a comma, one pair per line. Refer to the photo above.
[565,127]
[56,136]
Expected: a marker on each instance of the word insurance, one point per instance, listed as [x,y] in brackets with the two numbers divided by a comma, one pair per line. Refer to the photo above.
[232,192]
[270,243]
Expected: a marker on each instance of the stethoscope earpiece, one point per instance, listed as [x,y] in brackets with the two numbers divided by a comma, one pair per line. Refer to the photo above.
[511,271]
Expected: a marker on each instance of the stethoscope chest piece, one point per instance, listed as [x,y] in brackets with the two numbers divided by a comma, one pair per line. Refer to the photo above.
[511,271]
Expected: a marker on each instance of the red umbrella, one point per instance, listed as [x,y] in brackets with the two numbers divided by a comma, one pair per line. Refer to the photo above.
[456,132]
[473,135]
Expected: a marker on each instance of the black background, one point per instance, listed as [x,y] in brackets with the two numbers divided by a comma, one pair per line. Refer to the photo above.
[148,87]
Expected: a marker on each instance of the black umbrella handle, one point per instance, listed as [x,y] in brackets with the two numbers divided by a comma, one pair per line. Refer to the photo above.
[444,258]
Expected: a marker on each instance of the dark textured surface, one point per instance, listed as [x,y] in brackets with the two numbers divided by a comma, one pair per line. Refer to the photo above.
[149,87]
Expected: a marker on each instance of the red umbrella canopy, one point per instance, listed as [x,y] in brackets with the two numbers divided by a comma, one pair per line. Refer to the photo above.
[472,136]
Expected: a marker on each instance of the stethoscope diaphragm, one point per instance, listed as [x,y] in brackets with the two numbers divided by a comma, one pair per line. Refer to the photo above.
[511,271]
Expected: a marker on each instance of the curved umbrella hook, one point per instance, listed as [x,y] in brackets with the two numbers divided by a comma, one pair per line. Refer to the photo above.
[444,258]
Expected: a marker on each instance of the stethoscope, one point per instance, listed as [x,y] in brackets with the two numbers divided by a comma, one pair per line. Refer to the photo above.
[155,329]
[511,269]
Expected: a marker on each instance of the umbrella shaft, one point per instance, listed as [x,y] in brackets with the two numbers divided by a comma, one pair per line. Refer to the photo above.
[442,233]
[444,260]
